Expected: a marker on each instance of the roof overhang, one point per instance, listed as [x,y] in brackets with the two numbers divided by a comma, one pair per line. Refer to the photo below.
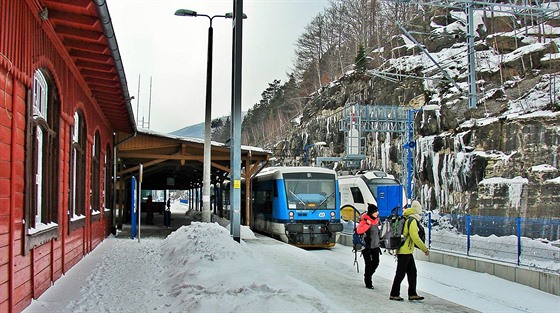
[84,29]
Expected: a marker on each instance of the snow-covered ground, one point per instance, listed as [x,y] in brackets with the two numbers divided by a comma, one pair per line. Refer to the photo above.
[199,268]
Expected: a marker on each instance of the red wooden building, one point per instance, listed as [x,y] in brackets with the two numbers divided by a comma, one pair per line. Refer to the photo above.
[63,101]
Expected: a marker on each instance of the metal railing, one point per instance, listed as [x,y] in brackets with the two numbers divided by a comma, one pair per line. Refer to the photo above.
[530,242]
[521,241]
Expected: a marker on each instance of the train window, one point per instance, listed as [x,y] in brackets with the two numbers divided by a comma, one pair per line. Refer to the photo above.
[316,192]
[357,195]
[260,197]
[262,202]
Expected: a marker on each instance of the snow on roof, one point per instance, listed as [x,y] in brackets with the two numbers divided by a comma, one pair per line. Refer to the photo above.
[195,140]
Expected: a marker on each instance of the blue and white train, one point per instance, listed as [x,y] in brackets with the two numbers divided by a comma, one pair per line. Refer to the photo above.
[376,187]
[298,205]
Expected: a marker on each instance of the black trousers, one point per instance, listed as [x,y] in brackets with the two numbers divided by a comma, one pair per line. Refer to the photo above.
[405,266]
[371,260]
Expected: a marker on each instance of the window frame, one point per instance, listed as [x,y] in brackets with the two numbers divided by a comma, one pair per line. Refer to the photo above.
[108,180]
[95,176]
[41,213]
[77,172]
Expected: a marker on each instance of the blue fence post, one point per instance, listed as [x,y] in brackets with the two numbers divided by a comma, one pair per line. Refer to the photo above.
[518,240]
[468,233]
[429,230]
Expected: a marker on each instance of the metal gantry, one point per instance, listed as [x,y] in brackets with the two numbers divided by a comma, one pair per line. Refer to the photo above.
[360,119]
[528,8]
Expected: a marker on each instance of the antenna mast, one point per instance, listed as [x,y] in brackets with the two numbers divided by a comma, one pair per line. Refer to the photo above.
[150,103]
[138,102]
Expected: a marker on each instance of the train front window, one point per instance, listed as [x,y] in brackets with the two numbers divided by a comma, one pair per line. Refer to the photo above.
[310,191]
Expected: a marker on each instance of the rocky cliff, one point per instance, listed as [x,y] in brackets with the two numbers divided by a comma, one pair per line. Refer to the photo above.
[500,158]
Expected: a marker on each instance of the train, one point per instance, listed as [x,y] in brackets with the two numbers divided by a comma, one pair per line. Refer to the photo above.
[375,187]
[298,205]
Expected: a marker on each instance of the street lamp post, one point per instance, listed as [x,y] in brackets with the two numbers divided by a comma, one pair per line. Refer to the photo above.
[317,144]
[207,116]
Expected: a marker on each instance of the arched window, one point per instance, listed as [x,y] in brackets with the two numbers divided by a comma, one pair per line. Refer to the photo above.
[95,184]
[41,160]
[78,169]
[108,179]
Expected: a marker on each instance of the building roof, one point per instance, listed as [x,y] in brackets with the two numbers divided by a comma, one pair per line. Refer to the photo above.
[85,31]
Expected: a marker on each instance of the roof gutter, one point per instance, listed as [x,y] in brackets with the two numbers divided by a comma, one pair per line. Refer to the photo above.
[105,18]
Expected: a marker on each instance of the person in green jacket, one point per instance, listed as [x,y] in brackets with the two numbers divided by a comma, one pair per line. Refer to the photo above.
[405,258]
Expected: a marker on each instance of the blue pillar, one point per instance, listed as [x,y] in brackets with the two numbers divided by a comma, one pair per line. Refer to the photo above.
[133,208]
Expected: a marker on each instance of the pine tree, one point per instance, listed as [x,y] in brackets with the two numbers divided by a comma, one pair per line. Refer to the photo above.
[361,60]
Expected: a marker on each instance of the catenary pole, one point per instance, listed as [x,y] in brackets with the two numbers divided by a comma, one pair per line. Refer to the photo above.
[235,149]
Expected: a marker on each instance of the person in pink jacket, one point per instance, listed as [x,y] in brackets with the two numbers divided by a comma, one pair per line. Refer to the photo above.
[369,226]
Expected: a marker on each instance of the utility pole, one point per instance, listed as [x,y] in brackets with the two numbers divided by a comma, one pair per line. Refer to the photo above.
[471,56]
[235,148]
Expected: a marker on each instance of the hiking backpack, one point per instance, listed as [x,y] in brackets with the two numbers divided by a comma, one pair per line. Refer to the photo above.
[421,232]
[358,242]
[392,230]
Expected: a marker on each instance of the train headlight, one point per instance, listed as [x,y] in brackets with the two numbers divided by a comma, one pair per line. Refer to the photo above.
[332,214]
[291,215]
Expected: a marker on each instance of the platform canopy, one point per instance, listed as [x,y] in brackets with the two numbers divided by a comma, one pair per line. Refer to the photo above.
[173,162]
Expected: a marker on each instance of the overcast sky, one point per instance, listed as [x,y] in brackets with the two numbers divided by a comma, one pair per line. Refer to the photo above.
[172,50]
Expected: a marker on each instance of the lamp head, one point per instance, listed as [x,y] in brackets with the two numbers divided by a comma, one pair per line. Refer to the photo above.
[185,12]
[230,15]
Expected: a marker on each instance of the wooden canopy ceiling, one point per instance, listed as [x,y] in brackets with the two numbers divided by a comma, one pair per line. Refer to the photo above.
[171,162]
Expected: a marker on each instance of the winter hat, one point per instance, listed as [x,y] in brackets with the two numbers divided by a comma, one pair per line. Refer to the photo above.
[417,207]
[371,208]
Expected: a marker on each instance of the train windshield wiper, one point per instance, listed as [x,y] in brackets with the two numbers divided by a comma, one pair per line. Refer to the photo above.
[297,197]
[327,198]
[322,202]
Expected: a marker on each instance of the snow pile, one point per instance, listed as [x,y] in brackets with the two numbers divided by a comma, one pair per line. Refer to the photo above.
[197,268]
[208,271]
